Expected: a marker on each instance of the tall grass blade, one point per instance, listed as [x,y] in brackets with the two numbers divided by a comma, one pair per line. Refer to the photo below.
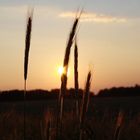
[76,76]
[27,44]
[26,57]
[118,125]
[64,75]
[65,65]
[85,104]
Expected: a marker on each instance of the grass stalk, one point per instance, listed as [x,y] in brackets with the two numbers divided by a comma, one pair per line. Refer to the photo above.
[65,65]
[64,76]
[118,125]
[76,77]
[85,103]
[26,59]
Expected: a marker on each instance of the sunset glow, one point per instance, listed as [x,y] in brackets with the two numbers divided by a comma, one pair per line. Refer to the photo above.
[61,71]
[108,37]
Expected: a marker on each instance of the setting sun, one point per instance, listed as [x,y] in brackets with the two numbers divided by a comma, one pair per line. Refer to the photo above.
[61,71]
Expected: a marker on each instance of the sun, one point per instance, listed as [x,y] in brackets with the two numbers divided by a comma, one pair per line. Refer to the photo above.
[61,71]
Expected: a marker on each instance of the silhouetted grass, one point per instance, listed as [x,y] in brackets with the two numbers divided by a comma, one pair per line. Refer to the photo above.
[65,66]
[76,77]
[26,59]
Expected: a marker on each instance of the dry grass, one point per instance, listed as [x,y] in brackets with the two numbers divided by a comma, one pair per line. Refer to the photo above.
[76,77]
[26,60]
[27,44]
[119,125]
[65,66]
[85,104]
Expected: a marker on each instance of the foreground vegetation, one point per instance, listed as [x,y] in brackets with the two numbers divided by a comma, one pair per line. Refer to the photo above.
[41,117]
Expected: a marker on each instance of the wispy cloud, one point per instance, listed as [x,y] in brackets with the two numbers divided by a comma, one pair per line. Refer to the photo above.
[94,17]
[8,12]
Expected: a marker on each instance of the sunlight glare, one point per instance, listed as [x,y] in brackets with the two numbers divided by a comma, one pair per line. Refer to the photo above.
[61,71]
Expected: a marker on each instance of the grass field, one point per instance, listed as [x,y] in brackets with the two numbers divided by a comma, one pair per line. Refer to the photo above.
[100,121]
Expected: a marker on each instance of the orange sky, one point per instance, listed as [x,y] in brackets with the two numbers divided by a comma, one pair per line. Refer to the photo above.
[108,39]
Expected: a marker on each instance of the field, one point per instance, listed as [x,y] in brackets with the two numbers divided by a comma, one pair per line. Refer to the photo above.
[101,119]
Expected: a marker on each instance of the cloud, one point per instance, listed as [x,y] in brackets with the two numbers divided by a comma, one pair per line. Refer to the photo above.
[94,17]
[54,12]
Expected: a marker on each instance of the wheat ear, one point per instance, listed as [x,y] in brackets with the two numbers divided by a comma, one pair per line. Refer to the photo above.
[85,104]
[26,59]
[76,76]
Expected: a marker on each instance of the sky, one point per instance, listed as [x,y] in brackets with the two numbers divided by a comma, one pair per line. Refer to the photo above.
[108,43]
